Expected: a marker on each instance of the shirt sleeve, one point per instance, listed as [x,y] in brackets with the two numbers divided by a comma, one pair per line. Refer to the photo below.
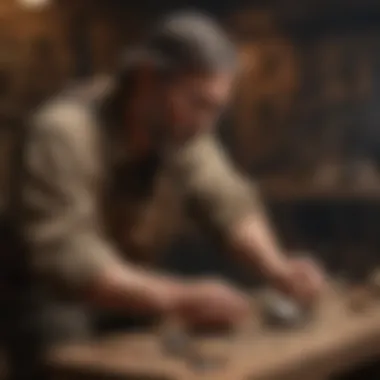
[219,192]
[59,209]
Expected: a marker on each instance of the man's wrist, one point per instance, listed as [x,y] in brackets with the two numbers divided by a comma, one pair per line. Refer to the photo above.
[171,295]
[145,290]
[275,270]
[254,240]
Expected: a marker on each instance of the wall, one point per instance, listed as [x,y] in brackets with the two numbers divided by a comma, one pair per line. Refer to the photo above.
[268,85]
[309,91]
[304,92]
[41,50]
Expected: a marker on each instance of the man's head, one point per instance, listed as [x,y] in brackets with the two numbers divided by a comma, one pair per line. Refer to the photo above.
[185,80]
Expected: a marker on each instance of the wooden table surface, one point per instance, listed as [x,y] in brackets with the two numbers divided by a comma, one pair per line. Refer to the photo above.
[293,191]
[335,340]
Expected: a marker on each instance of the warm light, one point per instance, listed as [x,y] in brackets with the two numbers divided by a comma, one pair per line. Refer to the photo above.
[34,4]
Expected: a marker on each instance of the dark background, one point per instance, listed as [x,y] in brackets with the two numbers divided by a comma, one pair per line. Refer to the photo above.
[309,106]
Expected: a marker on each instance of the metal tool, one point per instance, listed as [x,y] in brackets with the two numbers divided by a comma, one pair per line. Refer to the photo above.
[178,342]
[279,311]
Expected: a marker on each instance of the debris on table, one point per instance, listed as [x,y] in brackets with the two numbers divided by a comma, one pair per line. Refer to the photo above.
[374,282]
[360,298]
[281,311]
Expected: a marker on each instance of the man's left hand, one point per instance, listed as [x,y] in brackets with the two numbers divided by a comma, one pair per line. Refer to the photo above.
[302,279]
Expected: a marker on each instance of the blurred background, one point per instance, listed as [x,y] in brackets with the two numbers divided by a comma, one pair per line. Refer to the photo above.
[304,122]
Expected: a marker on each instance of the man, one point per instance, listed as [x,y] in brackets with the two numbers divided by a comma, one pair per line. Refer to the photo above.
[87,145]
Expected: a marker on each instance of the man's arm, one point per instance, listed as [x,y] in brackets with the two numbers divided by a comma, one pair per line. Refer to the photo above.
[59,215]
[230,203]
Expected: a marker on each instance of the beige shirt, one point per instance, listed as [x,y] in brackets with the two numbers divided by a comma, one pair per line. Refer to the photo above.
[66,178]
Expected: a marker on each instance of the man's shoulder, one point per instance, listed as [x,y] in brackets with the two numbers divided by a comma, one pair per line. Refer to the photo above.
[59,114]
[67,116]
[201,146]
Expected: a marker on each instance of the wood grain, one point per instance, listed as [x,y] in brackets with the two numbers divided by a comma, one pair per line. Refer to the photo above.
[335,340]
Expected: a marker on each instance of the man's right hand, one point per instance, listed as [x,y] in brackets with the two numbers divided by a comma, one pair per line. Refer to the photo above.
[303,280]
[205,303]
[211,303]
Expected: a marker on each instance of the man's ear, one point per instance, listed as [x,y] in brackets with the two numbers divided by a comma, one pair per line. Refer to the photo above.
[146,77]
[144,93]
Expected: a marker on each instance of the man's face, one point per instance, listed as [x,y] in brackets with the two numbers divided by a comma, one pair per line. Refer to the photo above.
[192,104]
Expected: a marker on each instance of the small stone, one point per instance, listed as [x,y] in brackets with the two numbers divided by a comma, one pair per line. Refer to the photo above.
[280,311]
[203,364]
[175,343]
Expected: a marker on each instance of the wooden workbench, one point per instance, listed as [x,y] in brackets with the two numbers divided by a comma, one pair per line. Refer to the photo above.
[337,339]
[287,191]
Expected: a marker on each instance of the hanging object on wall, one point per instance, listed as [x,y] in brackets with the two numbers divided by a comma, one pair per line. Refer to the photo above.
[253,22]
[267,88]
[80,43]
[34,4]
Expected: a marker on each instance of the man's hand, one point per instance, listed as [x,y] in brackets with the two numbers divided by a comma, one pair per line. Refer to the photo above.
[301,279]
[211,303]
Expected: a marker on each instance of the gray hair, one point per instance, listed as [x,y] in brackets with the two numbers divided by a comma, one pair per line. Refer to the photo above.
[191,41]
[180,42]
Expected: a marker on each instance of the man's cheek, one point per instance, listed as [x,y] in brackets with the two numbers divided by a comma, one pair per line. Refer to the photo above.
[180,119]
[179,110]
